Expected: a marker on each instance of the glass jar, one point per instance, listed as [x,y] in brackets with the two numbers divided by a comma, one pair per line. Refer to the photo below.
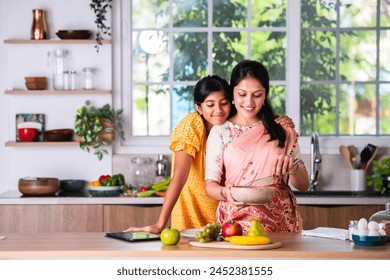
[384,218]
[88,78]
[141,172]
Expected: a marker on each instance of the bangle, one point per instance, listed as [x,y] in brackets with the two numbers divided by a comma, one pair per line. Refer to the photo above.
[224,198]
[295,171]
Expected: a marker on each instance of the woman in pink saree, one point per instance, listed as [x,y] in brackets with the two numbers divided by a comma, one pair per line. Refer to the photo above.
[251,146]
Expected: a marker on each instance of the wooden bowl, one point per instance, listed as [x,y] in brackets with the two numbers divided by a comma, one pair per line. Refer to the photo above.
[35,83]
[74,34]
[39,186]
[58,135]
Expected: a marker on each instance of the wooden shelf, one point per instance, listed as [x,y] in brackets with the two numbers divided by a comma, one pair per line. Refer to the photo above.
[41,144]
[90,41]
[30,92]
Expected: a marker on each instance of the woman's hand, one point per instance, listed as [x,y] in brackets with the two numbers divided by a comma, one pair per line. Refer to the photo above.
[285,121]
[283,164]
[230,198]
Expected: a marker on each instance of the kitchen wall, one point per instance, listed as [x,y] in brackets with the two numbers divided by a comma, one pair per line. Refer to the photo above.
[20,60]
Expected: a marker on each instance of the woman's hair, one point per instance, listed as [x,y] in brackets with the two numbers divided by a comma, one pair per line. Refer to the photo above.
[256,70]
[210,84]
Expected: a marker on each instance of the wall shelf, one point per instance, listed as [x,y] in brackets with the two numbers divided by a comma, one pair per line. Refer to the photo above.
[54,92]
[17,41]
[42,144]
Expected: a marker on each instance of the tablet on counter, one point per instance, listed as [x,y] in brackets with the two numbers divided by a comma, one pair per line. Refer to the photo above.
[133,236]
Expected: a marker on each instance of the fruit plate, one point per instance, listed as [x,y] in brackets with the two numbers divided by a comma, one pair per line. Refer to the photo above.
[190,233]
[228,245]
[369,240]
[104,191]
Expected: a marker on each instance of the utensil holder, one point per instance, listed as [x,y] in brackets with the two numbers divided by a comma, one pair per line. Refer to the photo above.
[358,180]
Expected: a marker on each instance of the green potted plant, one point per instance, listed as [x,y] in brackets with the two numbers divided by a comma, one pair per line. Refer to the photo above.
[100,9]
[96,127]
[380,179]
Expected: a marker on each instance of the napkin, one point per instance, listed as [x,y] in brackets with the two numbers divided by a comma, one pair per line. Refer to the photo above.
[328,232]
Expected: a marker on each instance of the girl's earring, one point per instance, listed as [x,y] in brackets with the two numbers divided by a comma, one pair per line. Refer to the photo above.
[233,102]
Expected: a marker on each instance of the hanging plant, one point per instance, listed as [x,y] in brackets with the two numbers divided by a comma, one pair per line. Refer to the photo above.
[100,8]
[95,127]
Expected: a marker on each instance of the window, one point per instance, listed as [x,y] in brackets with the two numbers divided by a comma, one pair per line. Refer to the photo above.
[345,87]
[328,62]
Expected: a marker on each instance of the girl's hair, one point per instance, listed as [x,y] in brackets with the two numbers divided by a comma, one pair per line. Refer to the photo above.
[210,84]
[256,70]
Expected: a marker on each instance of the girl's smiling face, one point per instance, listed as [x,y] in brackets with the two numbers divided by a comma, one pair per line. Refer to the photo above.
[249,95]
[215,109]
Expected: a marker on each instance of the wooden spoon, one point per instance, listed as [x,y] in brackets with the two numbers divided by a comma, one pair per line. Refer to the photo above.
[345,153]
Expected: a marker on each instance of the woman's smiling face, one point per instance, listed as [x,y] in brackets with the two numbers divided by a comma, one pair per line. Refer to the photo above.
[249,95]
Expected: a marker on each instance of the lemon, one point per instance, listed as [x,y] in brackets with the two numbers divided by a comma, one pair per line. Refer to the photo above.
[170,236]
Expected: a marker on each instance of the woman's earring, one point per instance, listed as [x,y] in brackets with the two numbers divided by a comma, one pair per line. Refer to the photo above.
[233,102]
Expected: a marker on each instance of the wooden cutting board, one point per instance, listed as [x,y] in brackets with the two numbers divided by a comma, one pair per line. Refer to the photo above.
[228,245]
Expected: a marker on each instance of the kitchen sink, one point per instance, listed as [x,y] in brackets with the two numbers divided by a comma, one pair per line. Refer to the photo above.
[336,193]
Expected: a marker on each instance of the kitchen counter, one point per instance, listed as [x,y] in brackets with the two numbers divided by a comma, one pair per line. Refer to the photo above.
[93,245]
[15,197]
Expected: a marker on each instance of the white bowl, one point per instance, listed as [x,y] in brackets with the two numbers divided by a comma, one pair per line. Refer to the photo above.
[253,195]
[104,191]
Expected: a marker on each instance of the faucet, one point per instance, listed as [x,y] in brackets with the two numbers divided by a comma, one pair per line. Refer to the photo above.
[315,159]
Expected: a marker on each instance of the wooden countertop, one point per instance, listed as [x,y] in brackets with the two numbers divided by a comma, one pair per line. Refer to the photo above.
[96,246]
[14,197]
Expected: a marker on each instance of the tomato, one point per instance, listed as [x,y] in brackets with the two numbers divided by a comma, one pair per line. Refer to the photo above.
[170,236]
[143,189]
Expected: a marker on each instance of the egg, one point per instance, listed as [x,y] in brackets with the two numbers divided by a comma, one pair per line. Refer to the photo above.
[381,232]
[362,224]
[373,233]
[363,232]
[373,226]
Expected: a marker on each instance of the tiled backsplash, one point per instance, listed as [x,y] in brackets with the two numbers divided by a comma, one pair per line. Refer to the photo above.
[334,171]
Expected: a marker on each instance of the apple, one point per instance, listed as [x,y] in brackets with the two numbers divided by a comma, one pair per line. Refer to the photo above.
[231,229]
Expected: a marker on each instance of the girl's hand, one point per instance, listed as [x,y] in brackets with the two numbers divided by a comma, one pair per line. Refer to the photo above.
[151,229]
[285,121]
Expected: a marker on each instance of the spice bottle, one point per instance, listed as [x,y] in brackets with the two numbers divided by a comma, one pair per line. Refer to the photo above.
[73,80]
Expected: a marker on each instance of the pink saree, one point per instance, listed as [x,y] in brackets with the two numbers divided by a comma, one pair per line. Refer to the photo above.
[248,157]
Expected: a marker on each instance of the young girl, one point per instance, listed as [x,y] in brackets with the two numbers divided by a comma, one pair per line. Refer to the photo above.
[186,202]
[251,146]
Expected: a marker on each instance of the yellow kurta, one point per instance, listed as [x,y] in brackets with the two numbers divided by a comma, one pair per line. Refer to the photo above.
[194,208]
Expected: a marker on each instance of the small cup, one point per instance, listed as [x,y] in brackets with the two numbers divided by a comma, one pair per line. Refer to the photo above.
[358,180]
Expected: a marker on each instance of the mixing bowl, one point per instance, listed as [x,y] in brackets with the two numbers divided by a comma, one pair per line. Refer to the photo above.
[72,185]
[253,195]
[38,186]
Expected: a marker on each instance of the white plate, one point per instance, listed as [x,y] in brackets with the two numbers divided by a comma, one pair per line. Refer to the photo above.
[190,233]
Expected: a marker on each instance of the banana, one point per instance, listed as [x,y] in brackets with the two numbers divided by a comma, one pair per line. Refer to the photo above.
[248,240]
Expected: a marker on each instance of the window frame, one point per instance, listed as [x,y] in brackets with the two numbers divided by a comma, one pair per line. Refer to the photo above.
[121,41]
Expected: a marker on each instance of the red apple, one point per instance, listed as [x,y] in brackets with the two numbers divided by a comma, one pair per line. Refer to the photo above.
[231,229]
